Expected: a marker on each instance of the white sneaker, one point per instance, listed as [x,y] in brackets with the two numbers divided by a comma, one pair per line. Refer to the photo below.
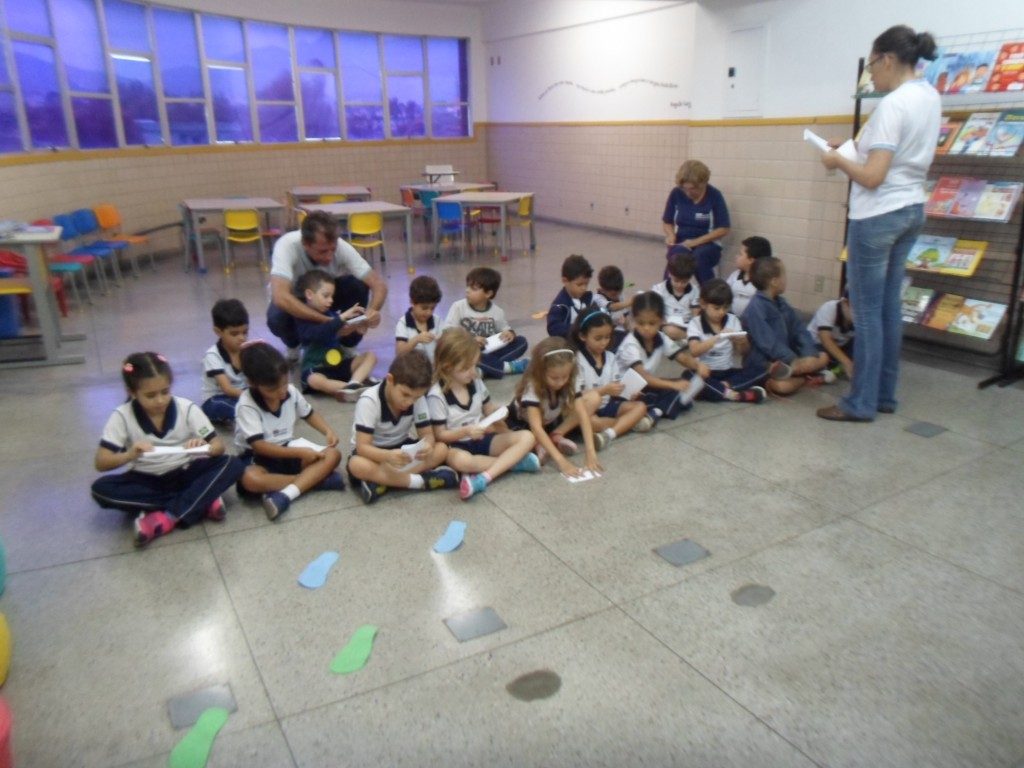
[646,424]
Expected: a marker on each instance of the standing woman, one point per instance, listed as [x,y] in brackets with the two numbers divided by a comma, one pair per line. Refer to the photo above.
[696,218]
[894,151]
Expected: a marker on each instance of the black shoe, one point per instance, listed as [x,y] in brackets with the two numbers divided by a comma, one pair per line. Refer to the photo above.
[371,491]
[442,477]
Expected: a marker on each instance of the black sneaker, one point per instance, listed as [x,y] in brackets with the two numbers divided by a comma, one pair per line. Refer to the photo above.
[371,491]
[442,477]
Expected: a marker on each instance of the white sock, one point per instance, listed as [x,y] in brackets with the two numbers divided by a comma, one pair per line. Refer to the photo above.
[609,433]
[416,482]
[291,491]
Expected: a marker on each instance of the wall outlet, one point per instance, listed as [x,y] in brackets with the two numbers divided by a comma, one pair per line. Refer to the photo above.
[819,284]
[591,206]
[627,210]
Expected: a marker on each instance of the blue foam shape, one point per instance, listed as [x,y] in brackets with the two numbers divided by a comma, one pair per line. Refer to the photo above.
[314,575]
[452,538]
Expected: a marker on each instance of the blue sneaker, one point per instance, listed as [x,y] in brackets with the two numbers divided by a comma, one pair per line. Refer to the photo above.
[371,492]
[529,463]
[442,477]
[275,504]
[517,366]
[472,484]
[333,482]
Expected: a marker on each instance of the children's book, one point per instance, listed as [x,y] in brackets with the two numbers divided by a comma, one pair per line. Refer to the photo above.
[948,132]
[1008,71]
[937,72]
[942,196]
[964,258]
[1006,136]
[967,196]
[929,251]
[971,139]
[973,72]
[978,318]
[915,303]
[941,312]
[998,201]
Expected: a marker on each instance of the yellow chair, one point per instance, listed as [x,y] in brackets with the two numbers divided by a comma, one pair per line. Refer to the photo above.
[333,199]
[243,226]
[366,232]
[110,222]
[523,217]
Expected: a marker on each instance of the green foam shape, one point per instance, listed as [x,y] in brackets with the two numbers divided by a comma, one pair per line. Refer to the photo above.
[194,750]
[356,652]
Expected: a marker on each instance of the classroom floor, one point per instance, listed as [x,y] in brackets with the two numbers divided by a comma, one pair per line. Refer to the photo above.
[882,623]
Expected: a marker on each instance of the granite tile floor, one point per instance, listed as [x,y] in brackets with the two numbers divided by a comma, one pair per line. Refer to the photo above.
[894,637]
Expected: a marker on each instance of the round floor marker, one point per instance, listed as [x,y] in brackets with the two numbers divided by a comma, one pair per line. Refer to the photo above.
[752,595]
[541,684]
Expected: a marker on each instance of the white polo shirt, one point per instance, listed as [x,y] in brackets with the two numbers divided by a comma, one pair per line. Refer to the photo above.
[446,409]
[550,409]
[720,356]
[590,377]
[129,424]
[374,417]
[742,292]
[254,421]
[215,362]
[619,316]
[678,309]
[631,351]
[406,328]
[829,317]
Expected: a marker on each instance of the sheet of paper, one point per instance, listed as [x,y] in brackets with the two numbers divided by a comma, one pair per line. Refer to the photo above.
[587,475]
[301,442]
[497,416]
[357,320]
[731,334]
[632,382]
[812,138]
[176,450]
[411,450]
[848,150]
[494,343]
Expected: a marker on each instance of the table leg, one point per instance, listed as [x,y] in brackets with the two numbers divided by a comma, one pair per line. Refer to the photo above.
[533,235]
[200,257]
[435,230]
[408,243]
[504,231]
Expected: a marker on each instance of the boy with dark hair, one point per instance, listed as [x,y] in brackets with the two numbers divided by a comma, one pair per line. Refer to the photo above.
[610,284]
[779,341]
[574,296]
[327,366]
[832,329]
[419,327]
[501,349]
[681,294]
[384,418]
[753,248]
[223,380]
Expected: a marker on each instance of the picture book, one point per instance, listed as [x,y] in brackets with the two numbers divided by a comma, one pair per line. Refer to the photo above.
[942,311]
[998,201]
[948,131]
[963,260]
[1008,70]
[928,251]
[978,318]
[915,303]
[938,72]
[972,73]
[971,139]
[967,196]
[1006,136]
[942,196]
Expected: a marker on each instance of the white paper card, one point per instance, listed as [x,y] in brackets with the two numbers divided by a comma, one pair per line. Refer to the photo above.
[587,475]
[494,343]
[732,334]
[848,150]
[812,138]
[498,415]
[357,320]
[411,450]
[632,382]
[176,450]
[301,442]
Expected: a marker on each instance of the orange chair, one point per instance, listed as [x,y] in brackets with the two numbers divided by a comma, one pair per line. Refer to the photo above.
[366,232]
[409,201]
[243,226]
[110,223]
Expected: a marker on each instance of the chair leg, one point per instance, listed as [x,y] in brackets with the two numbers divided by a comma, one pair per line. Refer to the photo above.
[85,285]
[263,256]
[134,260]
[115,263]
[101,276]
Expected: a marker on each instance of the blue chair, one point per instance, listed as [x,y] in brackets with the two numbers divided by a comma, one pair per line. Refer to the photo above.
[72,251]
[427,198]
[450,220]
[90,234]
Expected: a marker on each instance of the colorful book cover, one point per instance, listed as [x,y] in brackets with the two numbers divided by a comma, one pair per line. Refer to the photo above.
[1008,71]
[937,72]
[973,73]
[998,201]
[971,139]
[948,132]
[942,196]
[928,251]
[1006,136]
[978,318]
[915,302]
[943,309]
[967,197]
[964,259]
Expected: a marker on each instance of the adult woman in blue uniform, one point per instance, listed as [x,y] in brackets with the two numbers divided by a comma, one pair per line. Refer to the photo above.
[696,218]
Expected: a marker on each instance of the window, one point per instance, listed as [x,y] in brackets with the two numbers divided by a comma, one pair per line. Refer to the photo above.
[318,86]
[40,94]
[364,94]
[449,87]
[403,57]
[77,30]
[132,63]
[180,76]
[270,53]
[224,52]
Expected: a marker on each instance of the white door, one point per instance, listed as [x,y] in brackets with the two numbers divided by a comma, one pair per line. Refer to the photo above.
[744,61]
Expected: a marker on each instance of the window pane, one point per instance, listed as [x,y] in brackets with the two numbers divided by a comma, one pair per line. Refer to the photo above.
[447,60]
[10,139]
[37,73]
[314,47]
[320,106]
[403,54]
[179,55]
[126,26]
[5,77]
[450,120]
[187,123]
[222,38]
[277,123]
[365,122]
[360,68]
[94,121]
[230,104]
[78,40]
[139,116]
[28,16]
[405,100]
[271,60]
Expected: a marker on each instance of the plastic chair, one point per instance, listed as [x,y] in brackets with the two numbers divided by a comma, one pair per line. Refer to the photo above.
[366,232]
[409,201]
[16,263]
[427,198]
[83,255]
[71,264]
[450,220]
[89,232]
[523,217]
[243,226]
[333,199]
[110,224]
[211,235]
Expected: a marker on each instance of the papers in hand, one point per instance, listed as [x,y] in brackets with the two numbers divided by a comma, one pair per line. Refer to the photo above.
[175,450]
[732,334]
[847,149]
[494,343]
[301,442]
[498,415]
[582,478]
[411,451]
[632,382]
[357,320]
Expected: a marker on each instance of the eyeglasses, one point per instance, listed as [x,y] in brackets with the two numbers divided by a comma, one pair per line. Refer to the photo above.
[872,62]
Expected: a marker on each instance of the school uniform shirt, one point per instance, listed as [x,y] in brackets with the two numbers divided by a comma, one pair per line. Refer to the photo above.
[290,261]
[406,328]
[374,417]
[217,361]
[631,351]
[550,410]
[679,309]
[720,356]
[619,316]
[486,322]
[129,424]
[563,311]
[742,291]
[445,408]
[255,421]
[829,317]
[317,339]
[590,377]
[692,219]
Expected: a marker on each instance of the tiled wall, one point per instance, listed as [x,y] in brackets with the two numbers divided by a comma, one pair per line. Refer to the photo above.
[619,176]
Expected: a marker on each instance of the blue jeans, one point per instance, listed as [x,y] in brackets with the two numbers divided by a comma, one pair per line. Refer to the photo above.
[878,248]
[707,257]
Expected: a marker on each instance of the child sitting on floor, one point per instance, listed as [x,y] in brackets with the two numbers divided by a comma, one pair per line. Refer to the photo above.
[574,296]
[479,315]
[325,366]
[223,381]
[680,293]
[832,329]
[458,401]
[610,285]
[419,326]
[751,249]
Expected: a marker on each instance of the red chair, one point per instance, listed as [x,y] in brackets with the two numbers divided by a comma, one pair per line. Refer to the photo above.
[16,262]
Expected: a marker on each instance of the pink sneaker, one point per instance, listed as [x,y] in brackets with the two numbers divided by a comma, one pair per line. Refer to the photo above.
[215,511]
[565,445]
[152,525]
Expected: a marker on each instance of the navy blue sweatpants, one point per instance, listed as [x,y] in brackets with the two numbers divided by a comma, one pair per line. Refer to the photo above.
[493,363]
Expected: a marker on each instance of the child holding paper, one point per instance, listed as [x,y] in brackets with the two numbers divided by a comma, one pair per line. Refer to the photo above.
[717,339]
[680,293]
[598,371]
[223,381]
[419,326]
[502,350]
[326,366]
[383,453]
[610,285]
[574,296]
[458,404]
[164,486]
